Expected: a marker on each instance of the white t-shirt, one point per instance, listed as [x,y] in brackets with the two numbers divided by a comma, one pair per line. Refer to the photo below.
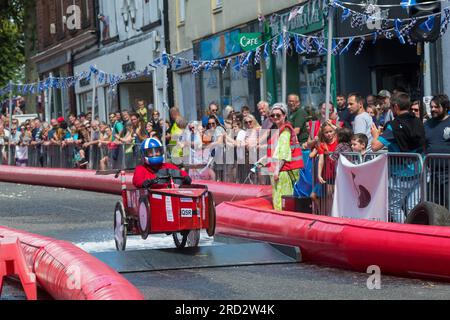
[240,150]
[22,152]
[4,137]
[363,124]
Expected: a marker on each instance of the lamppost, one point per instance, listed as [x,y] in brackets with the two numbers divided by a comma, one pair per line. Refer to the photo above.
[329,57]
[10,122]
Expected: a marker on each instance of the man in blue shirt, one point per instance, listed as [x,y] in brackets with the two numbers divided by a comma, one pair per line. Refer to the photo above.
[213,110]
[404,134]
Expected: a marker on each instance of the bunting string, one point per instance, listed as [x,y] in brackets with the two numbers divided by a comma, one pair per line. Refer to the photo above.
[390,28]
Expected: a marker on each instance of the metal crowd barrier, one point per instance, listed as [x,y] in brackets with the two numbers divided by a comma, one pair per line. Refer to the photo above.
[435,183]
[69,156]
[405,171]
[323,194]
[228,163]
[411,179]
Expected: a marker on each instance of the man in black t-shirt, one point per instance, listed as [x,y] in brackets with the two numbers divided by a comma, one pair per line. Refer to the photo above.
[344,114]
[437,129]
[437,137]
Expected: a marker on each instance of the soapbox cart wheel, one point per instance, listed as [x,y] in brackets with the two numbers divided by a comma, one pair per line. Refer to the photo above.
[120,227]
[212,215]
[186,238]
[144,217]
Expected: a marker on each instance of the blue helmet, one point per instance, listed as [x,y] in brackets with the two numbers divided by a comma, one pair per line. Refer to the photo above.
[152,151]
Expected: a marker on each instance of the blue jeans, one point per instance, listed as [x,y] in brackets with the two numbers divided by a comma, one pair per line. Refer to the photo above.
[404,195]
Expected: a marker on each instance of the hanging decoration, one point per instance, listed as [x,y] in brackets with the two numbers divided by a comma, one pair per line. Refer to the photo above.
[361,46]
[387,27]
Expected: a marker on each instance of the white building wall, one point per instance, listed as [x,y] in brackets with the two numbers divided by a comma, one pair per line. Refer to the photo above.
[132,45]
[202,20]
[446,61]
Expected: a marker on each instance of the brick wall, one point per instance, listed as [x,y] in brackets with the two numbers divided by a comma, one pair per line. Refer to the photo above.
[52,11]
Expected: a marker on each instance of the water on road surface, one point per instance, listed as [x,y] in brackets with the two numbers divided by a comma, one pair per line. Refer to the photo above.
[86,219]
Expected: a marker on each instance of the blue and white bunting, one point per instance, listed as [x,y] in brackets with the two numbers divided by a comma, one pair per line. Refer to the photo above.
[428,25]
[407,3]
[361,46]
[347,47]
[257,58]
[266,51]
[299,48]
[237,64]
[246,60]
[398,24]
[346,13]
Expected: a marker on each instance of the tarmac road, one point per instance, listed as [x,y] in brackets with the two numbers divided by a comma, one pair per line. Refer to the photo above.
[85,219]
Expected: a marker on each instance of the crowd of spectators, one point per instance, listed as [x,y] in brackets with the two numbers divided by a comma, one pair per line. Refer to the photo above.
[369,123]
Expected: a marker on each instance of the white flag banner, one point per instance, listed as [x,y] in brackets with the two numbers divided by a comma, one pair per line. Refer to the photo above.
[361,191]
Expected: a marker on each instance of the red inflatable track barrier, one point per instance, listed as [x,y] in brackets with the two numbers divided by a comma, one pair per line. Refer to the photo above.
[62,178]
[87,180]
[68,273]
[398,249]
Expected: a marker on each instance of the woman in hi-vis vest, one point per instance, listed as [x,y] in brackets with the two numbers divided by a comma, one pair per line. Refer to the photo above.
[284,156]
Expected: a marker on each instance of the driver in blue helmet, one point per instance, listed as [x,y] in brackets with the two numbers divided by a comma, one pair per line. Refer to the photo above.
[154,172]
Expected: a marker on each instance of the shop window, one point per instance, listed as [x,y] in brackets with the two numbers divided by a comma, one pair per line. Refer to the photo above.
[217,5]
[312,80]
[131,93]
[86,102]
[226,88]
[111,100]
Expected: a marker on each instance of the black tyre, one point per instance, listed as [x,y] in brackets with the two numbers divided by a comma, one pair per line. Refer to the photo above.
[120,227]
[144,217]
[428,213]
[212,215]
[180,239]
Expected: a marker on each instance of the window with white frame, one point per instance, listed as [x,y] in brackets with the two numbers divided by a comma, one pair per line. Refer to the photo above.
[217,4]
[181,11]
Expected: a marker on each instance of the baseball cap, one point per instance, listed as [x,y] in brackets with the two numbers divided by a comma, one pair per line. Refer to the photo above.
[384,94]
[61,119]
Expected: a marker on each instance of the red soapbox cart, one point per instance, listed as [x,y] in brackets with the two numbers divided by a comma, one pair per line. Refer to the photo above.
[178,211]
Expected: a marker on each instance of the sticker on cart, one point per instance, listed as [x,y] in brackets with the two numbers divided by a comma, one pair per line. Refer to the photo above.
[157,196]
[186,213]
[203,207]
[188,200]
[185,192]
[169,210]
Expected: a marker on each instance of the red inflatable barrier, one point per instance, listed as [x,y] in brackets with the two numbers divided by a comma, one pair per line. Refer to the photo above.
[398,249]
[68,273]
[61,178]
[89,181]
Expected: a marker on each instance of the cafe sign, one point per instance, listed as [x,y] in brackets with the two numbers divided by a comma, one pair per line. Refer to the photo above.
[250,41]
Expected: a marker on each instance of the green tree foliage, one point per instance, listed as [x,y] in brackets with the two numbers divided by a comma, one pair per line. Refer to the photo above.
[12,55]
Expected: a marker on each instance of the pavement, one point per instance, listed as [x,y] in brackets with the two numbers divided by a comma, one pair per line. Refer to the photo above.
[86,219]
